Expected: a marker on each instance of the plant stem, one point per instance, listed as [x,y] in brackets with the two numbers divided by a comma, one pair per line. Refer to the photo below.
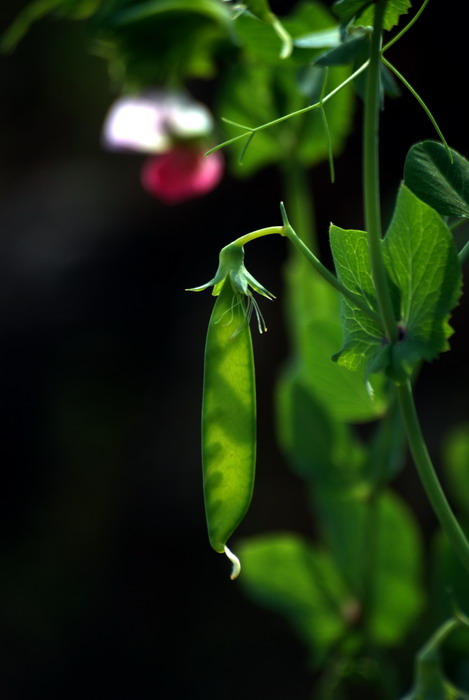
[406,28]
[413,92]
[464,253]
[371,178]
[299,198]
[324,272]
[269,231]
[298,112]
[428,475]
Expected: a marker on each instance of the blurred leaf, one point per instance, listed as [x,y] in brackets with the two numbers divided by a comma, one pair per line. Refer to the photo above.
[319,446]
[348,9]
[258,40]
[321,39]
[442,184]
[430,680]
[317,333]
[363,11]
[284,573]
[281,87]
[378,550]
[450,592]
[126,38]
[456,462]
[141,11]
[346,52]
[260,8]
[387,448]
[34,11]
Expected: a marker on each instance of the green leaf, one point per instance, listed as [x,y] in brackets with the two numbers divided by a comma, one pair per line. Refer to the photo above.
[392,14]
[378,550]
[345,53]
[126,37]
[319,446]
[425,278]
[142,11]
[284,573]
[442,184]
[449,585]
[278,91]
[363,11]
[258,40]
[35,11]
[316,330]
[321,39]
[346,10]
[424,270]
[260,8]
[363,339]
[430,679]
[456,462]
[281,87]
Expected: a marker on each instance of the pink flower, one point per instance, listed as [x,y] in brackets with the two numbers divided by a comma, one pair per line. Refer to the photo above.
[181,173]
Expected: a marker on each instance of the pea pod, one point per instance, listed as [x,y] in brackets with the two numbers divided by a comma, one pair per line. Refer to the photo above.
[228,417]
[229,401]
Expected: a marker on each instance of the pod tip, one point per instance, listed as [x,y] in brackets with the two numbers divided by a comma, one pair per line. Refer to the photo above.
[236,563]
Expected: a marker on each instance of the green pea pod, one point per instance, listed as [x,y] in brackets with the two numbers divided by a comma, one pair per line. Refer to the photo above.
[229,401]
[228,419]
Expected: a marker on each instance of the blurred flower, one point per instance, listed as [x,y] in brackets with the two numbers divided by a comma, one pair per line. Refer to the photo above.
[177,128]
[182,173]
[151,122]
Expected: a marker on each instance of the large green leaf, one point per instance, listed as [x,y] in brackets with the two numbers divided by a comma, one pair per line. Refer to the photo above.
[319,446]
[286,574]
[392,14]
[316,331]
[378,550]
[347,52]
[363,337]
[424,269]
[438,181]
[363,11]
[425,280]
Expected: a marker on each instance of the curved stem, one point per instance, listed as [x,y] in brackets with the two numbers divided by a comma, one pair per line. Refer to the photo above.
[464,253]
[415,94]
[406,28]
[269,231]
[324,272]
[299,199]
[298,112]
[371,178]
[428,475]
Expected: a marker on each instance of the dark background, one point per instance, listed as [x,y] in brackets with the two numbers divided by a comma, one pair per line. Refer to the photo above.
[107,583]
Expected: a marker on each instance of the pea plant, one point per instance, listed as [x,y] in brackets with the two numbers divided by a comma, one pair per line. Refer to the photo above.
[359,335]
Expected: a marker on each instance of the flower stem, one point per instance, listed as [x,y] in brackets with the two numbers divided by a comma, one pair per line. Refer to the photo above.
[269,231]
[356,299]
[371,177]
[428,475]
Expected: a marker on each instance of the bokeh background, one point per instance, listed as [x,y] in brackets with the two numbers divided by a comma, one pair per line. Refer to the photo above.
[107,583]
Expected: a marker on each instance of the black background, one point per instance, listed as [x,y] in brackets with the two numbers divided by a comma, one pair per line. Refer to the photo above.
[107,582]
